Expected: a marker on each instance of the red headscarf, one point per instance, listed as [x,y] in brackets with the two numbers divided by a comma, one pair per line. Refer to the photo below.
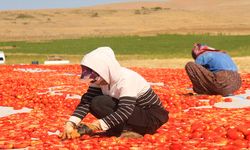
[199,49]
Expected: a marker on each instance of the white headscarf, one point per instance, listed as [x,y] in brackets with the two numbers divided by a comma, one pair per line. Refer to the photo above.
[102,60]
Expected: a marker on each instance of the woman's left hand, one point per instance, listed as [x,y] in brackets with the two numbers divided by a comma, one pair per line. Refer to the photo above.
[95,125]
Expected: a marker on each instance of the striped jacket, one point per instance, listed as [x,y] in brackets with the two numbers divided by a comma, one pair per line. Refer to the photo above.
[126,105]
[126,85]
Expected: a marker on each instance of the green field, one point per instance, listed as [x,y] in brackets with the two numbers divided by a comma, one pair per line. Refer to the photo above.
[160,46]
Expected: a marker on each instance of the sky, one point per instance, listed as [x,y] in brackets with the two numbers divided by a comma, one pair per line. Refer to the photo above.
[44,4]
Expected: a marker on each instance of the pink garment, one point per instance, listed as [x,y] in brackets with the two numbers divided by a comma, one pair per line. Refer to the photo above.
[199,49]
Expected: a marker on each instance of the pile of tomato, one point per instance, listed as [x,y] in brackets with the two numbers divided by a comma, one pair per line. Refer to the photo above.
[46,90]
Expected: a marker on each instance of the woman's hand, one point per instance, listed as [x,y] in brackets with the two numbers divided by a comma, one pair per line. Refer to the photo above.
[95,126]
[70,131]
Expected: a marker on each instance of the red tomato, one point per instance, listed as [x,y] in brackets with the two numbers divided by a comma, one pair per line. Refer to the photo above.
[198,126]
[228,100]
[220,130]
[17,107]
[175,146]
[245,129]
[6,146]
[197,134]
[21,144]
[209,135]
[234,134]
[241,143]
[212,101]
[248,138]
[52,129]
[221,141]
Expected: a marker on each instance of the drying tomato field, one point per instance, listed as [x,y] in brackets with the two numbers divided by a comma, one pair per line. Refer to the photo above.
[52,92]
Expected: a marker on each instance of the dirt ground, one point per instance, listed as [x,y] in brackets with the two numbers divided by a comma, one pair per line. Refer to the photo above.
[139,18]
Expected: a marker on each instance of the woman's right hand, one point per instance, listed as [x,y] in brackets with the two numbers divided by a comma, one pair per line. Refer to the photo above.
[70,131]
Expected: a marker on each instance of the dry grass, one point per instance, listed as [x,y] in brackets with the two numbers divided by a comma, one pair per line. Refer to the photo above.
[175,16]
[242,63]
[148,18]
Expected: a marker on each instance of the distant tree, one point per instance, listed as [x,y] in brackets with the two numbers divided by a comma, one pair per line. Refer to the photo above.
[156,8]
[95,14]
[137,11]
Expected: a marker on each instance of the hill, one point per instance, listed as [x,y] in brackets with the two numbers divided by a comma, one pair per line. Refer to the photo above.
[138,18]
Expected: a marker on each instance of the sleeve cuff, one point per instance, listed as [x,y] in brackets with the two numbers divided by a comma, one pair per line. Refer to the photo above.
[104,126]
[94,85]
[75,119]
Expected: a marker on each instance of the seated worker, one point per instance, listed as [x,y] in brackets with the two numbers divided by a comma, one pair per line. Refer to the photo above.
[122,100]
[213,71]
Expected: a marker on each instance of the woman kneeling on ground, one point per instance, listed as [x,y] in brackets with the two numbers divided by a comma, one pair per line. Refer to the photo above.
[213,71]
[121,99]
